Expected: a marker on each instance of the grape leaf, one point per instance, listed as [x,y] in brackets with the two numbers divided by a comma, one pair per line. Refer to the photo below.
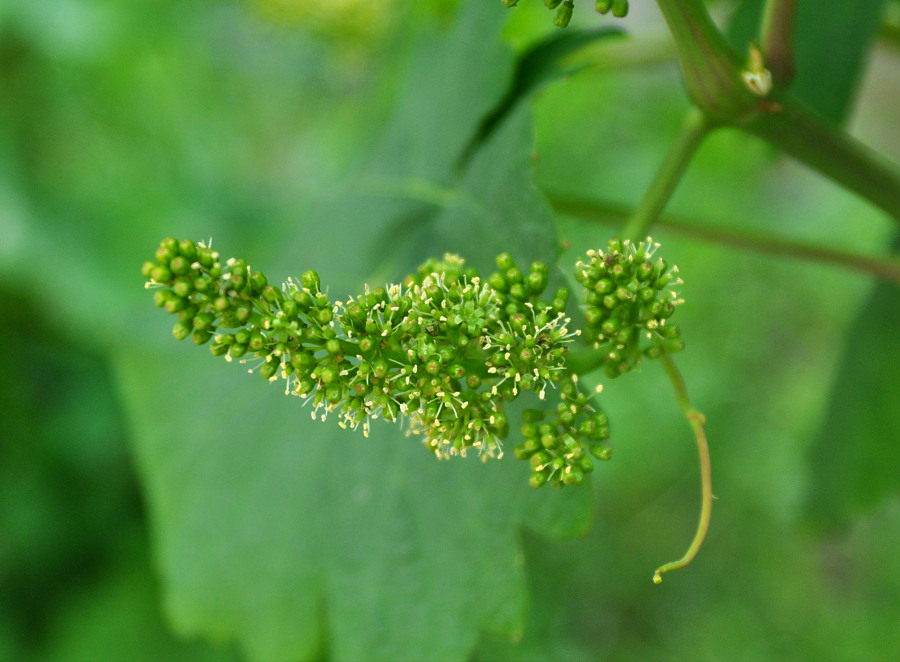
[293,536]
[856,455]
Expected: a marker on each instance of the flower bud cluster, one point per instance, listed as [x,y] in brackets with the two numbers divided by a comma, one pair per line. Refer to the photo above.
[559,446]
[445,351]
[628,302]
[564,9]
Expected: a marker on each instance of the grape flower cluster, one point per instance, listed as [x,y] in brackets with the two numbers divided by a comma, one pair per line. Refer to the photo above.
[628,302]
[564,9]
[445,351]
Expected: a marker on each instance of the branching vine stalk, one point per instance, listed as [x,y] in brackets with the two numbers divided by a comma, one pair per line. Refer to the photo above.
[695,129]
[613,214]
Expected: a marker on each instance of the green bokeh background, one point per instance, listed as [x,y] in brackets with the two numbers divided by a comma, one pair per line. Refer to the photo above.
[158,504]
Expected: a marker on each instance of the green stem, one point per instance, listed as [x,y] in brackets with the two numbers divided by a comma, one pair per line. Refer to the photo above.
[695,128]
[714,77]
[885,268]
[712,69]
[697,422]
[832,152]
[777,40]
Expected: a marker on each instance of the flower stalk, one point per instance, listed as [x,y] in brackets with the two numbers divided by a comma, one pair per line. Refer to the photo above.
[695,129]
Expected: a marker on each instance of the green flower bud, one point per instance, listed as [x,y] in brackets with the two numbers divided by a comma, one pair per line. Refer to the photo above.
[610,326]
[242,314]
[505,262]
[183,287]
[169,246]
[552,4]
[204,321]
[586,464]
[563,14]
[256,342]
[202,284]
[269,369]
[380,368]
[305,386]
[205,257]
[539,460]
[573,476]
[328,375]
[670,331]
[310,280]
[161,274]
[220,345]
[653,352]
[518,291]
[324,316]
[201,336]
[674,345]
[601,452]
[538,479]
[619,8]
[187,249]
[173,304]
[160,297]
[182,330]
[179,265]
[269,293]
[333,394]
[257,282]
[603,6]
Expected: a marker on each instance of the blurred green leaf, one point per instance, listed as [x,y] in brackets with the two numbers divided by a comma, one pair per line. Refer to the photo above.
[856,457]
[831,42]
[324,540]
[536,66]
[117,617]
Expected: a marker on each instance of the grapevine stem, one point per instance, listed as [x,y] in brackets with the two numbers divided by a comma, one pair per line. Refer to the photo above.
[884,267]
[777,37]
[697,422]
[696,127]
